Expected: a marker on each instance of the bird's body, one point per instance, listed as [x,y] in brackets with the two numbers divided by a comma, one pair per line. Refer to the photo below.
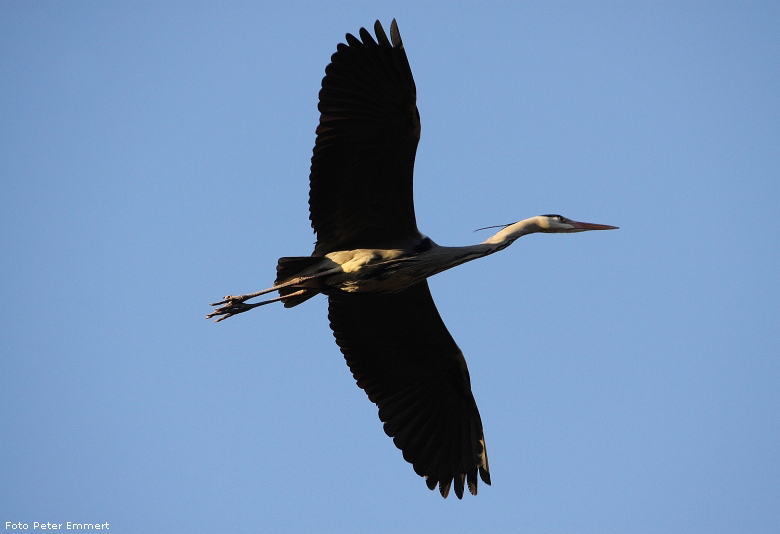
[373,263]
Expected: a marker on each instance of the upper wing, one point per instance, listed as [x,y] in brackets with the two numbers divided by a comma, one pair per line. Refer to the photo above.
[361,169]
[402,355]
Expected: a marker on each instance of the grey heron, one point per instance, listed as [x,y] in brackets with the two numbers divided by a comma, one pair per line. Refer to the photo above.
[372,263]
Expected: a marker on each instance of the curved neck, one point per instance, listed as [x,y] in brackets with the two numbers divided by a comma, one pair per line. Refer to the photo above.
[506,236]
[439,258]
[502,239]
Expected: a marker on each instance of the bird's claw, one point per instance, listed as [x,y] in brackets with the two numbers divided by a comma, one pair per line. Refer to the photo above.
[229,299]
[232,306]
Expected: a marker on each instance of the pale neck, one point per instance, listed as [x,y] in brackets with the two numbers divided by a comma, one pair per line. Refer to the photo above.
[506,236]
[452,256]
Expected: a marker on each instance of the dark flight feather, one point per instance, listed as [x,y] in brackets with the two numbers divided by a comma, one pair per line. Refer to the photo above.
[402,355]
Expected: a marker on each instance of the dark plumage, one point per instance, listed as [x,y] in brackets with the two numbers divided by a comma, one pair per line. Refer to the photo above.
[373,263]
[395,344]
[402,355]
[361,170]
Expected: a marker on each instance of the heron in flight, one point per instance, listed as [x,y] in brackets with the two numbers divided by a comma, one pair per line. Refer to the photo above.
[372,263]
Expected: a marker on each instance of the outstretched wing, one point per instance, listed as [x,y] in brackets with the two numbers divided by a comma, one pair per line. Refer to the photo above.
[402,355]
[361,169]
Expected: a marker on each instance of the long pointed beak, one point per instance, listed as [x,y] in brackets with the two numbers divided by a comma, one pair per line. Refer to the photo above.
[582,226]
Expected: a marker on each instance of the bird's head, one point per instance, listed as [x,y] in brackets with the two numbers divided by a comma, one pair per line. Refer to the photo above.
[549,224]
[558,224]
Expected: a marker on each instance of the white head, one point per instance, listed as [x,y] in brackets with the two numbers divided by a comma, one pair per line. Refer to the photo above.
[550,224]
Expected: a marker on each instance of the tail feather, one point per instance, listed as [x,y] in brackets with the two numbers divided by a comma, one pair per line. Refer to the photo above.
[291,266]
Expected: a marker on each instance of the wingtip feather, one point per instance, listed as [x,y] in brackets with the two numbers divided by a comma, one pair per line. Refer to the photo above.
[395,35]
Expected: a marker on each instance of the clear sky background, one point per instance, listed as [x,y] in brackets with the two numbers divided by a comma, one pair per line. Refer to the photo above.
[154,157]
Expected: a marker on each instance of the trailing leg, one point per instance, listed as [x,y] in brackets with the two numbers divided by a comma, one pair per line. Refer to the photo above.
[232,305]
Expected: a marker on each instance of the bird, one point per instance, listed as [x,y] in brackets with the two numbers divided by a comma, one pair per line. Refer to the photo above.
[372,263]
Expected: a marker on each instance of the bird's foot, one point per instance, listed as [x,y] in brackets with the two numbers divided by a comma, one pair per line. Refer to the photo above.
[234,305]
[230,306]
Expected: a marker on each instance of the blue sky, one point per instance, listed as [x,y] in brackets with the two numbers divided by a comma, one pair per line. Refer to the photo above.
[154,156]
